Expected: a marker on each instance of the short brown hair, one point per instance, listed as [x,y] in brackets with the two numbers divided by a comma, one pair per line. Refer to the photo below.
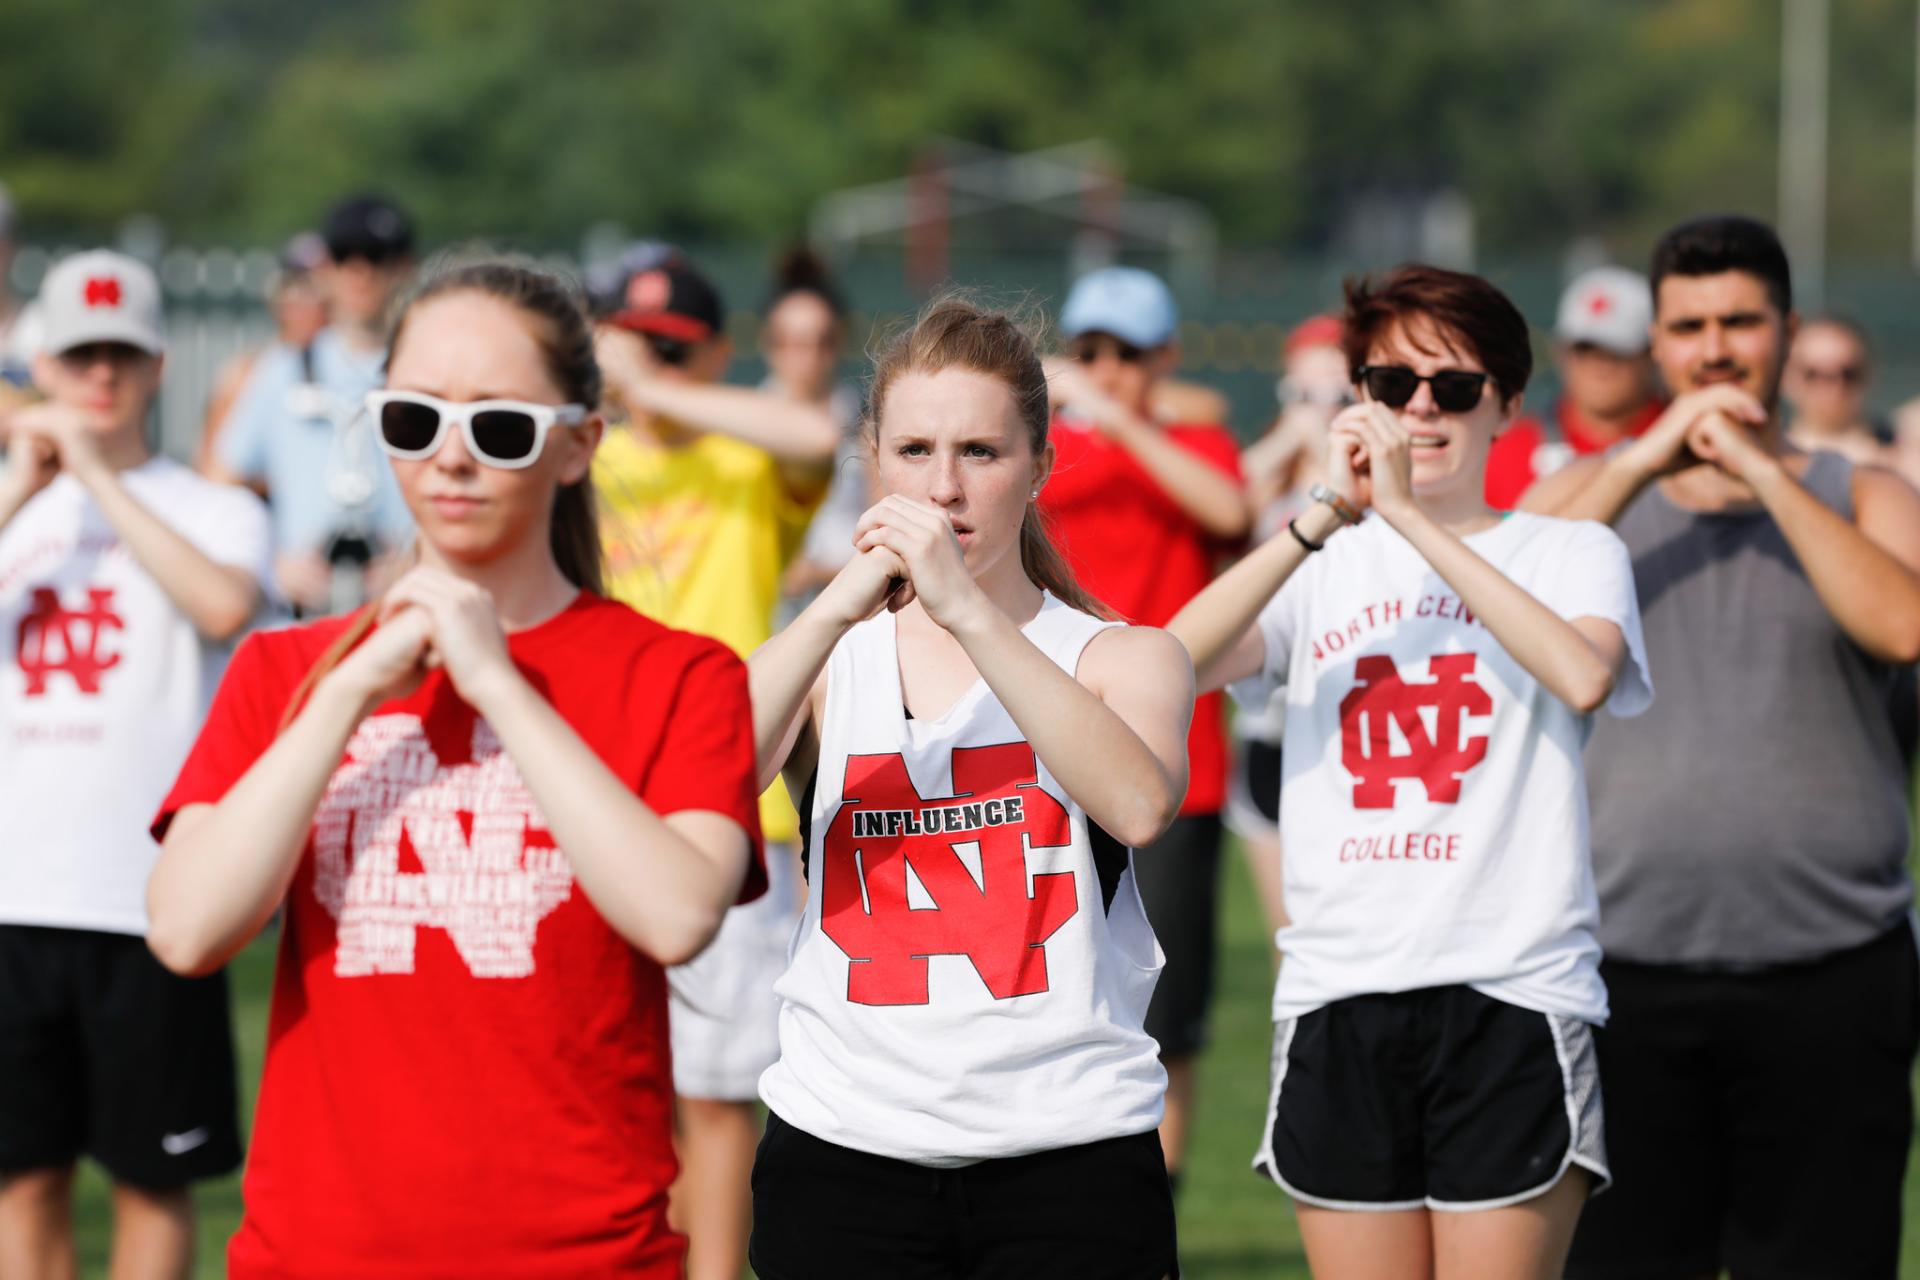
[1468,311]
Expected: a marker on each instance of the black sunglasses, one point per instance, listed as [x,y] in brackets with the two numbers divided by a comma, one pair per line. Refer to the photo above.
[1124,352]
[1454,390]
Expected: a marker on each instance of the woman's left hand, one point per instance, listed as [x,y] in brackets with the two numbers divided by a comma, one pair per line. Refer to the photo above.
[1389,448]
[468,639]
[924,540]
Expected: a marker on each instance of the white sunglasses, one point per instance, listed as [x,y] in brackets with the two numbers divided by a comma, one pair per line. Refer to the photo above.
[508,434]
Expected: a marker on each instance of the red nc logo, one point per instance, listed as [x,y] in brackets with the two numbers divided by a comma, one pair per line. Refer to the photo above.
[102,291]
[51,638]
[1439,757]
[887,841]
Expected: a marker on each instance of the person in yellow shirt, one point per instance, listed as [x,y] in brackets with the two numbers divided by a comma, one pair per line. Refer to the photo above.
[704,494]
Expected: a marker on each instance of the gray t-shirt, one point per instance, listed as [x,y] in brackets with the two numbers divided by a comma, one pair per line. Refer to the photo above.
[1757,814]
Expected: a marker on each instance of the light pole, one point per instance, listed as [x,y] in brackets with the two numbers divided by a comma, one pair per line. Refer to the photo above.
[1803,144]
[1916,140]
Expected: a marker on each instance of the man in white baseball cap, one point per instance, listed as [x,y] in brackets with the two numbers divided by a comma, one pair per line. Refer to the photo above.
[1609,390]
[101,296]
[124,577]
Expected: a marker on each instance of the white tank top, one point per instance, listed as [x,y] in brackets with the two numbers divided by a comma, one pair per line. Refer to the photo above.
[970,977]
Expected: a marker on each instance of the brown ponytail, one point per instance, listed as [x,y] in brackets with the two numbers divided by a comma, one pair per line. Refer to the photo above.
[954,333]
[557,314]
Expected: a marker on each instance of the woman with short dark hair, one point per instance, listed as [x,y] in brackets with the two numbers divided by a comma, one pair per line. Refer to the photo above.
[1435,1106]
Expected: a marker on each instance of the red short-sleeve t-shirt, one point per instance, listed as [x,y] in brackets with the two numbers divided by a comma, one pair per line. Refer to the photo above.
[1143,557]
[467,1069]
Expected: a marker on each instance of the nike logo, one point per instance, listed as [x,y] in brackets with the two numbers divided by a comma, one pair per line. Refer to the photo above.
[178,1144]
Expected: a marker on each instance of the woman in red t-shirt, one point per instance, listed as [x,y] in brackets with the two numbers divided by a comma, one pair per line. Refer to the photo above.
[492,807]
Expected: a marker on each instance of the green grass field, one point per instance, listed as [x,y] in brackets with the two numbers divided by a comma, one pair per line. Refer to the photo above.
[1233,1226]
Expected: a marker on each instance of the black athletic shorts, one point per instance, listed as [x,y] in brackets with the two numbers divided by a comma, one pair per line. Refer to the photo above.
[1759,1121]
[1103,1211]
[105,1053]
[1441,1098]
[1179,879]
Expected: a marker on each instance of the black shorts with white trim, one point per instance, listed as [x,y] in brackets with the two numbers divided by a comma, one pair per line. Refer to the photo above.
[1440,1098]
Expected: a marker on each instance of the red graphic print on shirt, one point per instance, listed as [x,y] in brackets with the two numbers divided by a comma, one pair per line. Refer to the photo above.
[402,841]
[52,638]
[904,877]
[1427,718]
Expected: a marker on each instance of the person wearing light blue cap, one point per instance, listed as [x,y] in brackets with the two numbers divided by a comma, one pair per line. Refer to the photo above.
[1144,509]
[1126,302]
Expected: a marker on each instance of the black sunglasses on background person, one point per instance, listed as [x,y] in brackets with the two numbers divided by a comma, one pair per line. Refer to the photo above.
[1454,390]
[1087,350]
[1848,375]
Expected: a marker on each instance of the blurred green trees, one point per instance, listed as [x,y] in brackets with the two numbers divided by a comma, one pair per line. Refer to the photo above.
[726,119]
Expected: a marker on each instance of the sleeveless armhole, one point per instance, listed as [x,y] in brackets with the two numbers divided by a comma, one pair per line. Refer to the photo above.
[1111,858]
[804,801]
[806,824]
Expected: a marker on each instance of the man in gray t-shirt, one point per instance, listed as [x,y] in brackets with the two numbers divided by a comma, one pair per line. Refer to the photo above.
[1750,834]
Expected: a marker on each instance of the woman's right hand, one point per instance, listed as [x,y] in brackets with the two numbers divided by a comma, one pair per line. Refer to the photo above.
[1347,466]
[390,663]
[874,579]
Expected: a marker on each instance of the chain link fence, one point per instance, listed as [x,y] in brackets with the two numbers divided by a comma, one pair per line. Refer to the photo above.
[1230,337]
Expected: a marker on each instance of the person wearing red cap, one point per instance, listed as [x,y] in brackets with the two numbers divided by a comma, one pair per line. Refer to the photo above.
[1609,389]
[1280,468]
[123,579]
[1313,386]
[705,496]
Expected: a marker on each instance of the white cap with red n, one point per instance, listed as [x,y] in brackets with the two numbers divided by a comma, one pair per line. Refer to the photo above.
[1609,307]
[100,296]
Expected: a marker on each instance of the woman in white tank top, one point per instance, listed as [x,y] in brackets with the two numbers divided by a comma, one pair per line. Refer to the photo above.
[964,1087]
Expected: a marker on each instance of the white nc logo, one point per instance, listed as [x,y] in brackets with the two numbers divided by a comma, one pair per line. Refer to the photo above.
[489,889]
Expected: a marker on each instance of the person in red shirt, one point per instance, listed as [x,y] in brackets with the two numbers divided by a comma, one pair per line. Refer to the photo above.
[1609,389]
[493,806]
[1143,510]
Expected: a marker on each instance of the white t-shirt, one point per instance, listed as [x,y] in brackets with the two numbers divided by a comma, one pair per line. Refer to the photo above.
[1433,805]
[102,692]
[970,978]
